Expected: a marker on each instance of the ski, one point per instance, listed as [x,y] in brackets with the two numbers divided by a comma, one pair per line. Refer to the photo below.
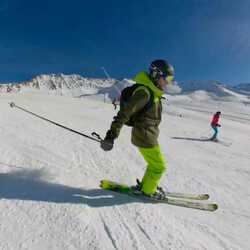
[224,143]
[177,201]
[187,196]
[181,195]
[227,144]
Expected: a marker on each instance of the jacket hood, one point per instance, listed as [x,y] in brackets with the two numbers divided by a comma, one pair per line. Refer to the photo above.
[143,78]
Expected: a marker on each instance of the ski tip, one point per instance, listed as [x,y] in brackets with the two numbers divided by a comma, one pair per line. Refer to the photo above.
[214,207]
[204,196]
[12,104]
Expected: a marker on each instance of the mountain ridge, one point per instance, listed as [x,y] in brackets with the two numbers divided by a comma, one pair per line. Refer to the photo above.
[78,86]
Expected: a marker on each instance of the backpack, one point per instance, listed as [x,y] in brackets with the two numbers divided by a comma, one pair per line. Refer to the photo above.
[127,93]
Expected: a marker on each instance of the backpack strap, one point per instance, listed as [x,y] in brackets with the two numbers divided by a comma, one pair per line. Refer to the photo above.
[149,92]
[139,87]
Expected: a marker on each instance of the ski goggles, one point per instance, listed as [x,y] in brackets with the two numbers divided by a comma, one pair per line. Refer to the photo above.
[169,78]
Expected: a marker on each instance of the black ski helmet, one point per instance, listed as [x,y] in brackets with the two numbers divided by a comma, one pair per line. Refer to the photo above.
[160,68]
[218,113]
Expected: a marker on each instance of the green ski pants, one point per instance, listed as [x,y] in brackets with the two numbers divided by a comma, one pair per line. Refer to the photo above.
[155,168]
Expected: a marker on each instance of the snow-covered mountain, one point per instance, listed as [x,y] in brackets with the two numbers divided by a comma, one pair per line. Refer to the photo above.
[212,90]
[243,88]
[60,84]
[108,89]
[212,87]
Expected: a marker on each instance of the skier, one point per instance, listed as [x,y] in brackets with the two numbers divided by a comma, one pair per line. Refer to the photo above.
[145,107]
[215,124]
[114,102]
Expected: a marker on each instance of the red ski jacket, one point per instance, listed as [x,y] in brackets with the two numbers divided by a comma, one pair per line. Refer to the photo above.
[215,121]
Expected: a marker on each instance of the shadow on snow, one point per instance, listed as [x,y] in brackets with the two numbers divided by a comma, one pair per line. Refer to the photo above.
[28,185]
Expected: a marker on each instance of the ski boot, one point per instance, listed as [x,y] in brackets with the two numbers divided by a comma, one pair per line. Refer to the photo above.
[214,139]
[137,188]
[159,194]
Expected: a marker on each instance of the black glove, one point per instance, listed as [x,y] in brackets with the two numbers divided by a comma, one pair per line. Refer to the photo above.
[108,142]
[218,125]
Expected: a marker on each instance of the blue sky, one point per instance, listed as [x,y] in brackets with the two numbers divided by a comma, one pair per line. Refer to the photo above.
[203,39]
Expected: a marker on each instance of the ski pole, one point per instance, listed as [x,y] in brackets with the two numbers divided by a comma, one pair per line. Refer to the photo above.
[94,137]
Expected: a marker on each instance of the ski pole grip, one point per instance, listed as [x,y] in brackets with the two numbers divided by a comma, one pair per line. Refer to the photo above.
[94,134]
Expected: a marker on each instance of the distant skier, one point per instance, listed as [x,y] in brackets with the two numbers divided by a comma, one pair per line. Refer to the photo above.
[114,102]
[141,108]
[215,124]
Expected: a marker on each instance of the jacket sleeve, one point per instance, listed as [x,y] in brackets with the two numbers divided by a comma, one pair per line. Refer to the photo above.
[139,99]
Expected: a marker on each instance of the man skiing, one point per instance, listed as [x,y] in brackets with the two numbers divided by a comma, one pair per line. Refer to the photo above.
[215,124]
[145,109]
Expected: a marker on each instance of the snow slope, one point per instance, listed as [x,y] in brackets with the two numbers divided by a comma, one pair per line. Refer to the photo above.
[49,178]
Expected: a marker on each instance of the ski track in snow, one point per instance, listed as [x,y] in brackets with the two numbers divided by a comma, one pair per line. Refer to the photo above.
[49,179]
